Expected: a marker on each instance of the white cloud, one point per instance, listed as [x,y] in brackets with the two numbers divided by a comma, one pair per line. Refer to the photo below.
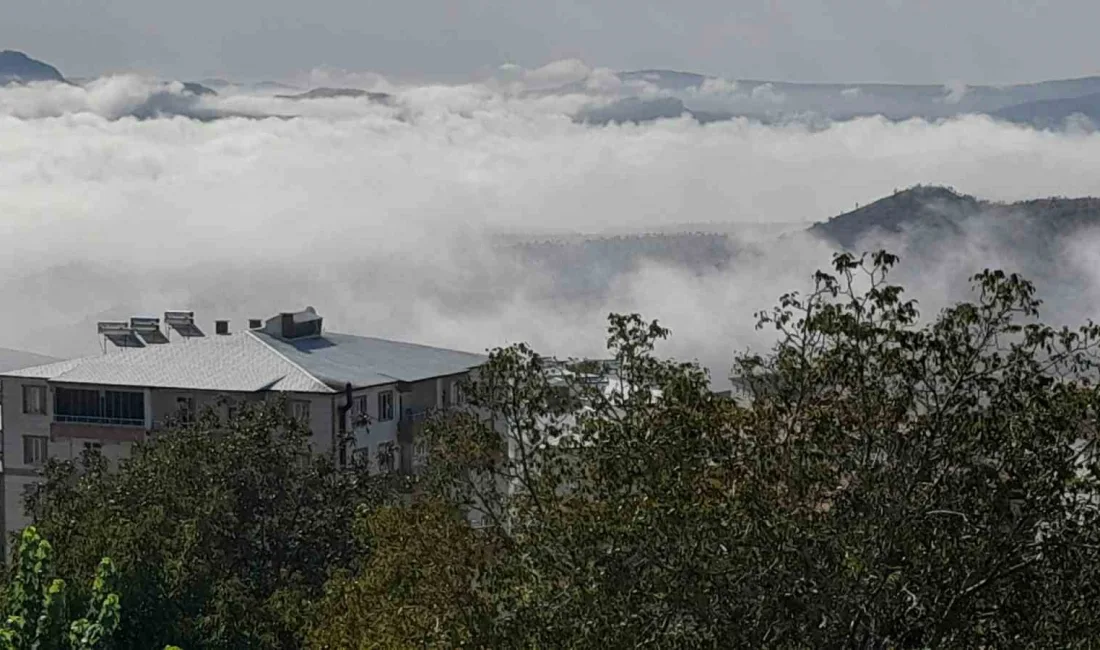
[717,86]
[768,93]
[954,92]
[378,215]
[339,78]
[603,80]
[557,73]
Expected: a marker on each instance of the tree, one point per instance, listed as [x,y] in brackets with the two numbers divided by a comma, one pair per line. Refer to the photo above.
[224,532]
[894,483]
[416,587]
[36,608]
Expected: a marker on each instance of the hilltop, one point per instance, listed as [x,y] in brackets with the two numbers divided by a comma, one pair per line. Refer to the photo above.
[17,359]
[933,207]
[646,95]
[330,93]
[1051,113]
[931,214]
[17,67]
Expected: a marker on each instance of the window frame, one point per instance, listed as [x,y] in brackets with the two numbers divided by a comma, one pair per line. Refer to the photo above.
[185,408]
[40,407]
[119,407]
[31,444]
[304,406]
[386,415]
[388,457]
[458,396]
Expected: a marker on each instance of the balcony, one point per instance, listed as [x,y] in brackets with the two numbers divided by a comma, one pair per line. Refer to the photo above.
[113,430]
[85,419]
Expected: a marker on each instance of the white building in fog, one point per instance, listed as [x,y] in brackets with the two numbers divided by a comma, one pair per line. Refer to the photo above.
[151,374]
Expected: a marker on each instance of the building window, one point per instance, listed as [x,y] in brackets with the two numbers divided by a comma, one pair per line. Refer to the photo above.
[457,396]
[91,406]
[185,407]
[299,410]
[360,405]
[35,450]
[34,400]
[385,406]
[387,457]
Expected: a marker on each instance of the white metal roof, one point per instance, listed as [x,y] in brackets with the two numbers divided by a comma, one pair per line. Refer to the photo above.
[234,362]
[339,359]
[254,361]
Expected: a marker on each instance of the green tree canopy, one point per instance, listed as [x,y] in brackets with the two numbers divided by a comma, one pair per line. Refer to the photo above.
[223,533]
[894,483]
[36,606]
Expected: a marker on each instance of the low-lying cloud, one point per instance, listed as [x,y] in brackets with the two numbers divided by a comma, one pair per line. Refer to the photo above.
[384,216]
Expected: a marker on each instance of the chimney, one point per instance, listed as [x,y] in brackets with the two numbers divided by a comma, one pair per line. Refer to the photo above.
[287,321]
[255,324]
[221,327]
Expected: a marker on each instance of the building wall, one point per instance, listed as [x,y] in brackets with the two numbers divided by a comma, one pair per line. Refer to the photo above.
[369,437]
[165,405]
[420,397]
[17,474]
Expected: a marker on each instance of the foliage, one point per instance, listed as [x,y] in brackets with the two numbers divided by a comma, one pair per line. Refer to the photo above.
[37,608]
[894,483]
[415,589]
[224,532]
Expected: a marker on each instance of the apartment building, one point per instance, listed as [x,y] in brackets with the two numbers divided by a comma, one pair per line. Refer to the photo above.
[375,390]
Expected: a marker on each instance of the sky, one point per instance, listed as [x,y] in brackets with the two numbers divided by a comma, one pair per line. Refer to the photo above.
[905,41]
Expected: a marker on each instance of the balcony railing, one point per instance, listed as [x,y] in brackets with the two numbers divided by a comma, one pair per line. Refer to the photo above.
[418,415]
[93,419]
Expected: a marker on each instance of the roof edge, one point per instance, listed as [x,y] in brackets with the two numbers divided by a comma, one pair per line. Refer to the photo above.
[327,388]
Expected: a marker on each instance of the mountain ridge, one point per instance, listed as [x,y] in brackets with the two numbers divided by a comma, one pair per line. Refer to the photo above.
[17,67]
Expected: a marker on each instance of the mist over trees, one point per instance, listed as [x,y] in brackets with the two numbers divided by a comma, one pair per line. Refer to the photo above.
[893,482]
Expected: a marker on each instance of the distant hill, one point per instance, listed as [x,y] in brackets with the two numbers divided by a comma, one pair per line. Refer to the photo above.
[647,95]
[329,93]
[930,215]
[923,224]
[273,85]
[1051,113]
[18,359]
[17,67]
[931,207]
[198,89]
[665,79]
[635,110]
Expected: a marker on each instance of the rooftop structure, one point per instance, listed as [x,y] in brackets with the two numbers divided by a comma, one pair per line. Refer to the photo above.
[290,353]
